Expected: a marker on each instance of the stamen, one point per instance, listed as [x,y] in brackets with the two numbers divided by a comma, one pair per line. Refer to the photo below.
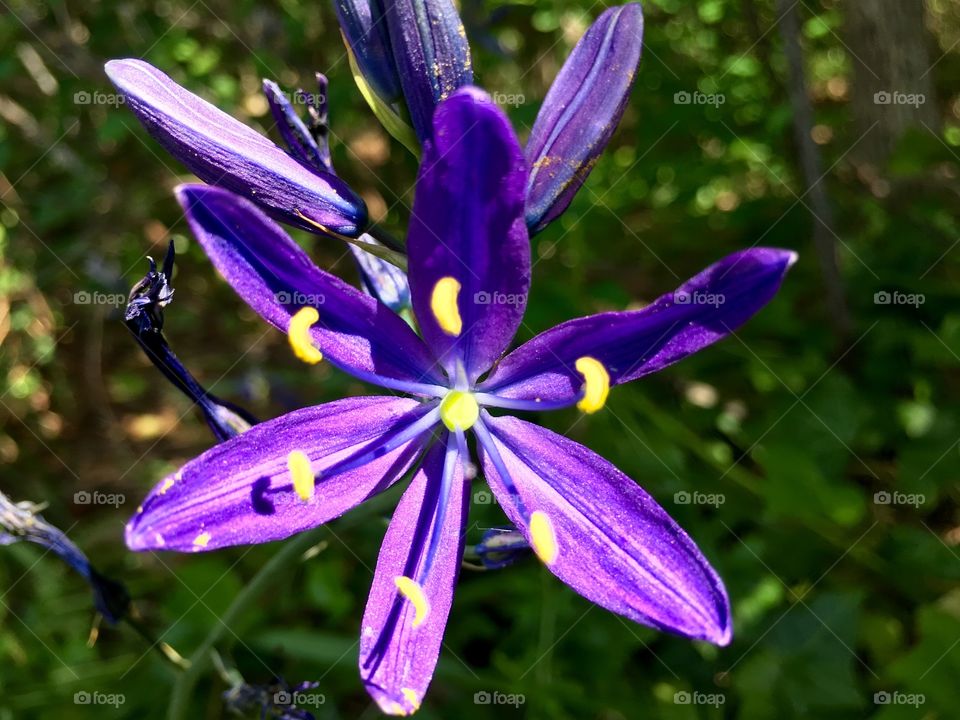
[596,384]
[442,501]
[406,386]
[298,332]
[380,447]
[459,410]
[303,480]
[493,400]
[443,304]
[486,441]
[413,592]
[469,469]
[543,538]
[202,540]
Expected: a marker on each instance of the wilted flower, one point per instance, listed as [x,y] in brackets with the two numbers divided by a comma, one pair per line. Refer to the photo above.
[22,522]
[468,246]
[144,318]
[277,700]
[309,144]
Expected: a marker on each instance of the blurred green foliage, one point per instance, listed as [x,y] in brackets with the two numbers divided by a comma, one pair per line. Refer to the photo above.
[837,595]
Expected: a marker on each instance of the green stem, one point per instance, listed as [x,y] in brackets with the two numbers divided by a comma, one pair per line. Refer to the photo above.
[385,237]
[381,251]
[274,569]
[165,650]
[289,554]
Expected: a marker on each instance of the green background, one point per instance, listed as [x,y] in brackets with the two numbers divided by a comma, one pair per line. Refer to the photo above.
[836,597]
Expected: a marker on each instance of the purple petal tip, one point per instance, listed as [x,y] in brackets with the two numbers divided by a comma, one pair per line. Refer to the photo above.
[221,150]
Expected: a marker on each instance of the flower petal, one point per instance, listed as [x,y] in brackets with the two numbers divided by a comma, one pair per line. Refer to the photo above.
[384,281]
[614,544]
[222,151]
[467,224]
[241,491]
[402,631]
[431,54]
[581,111]
[365,32]
[276,278]
[294,131]
[632,344]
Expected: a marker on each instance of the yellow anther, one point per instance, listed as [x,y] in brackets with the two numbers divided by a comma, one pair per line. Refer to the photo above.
[413,592]
[412,698]
[303,480]
[202,540]
[596,384]
[298,332]
[443,303]
[459,410]
[542,537]
[167,484]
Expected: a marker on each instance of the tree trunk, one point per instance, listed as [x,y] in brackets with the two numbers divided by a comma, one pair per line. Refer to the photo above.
[811,165]
[892,80]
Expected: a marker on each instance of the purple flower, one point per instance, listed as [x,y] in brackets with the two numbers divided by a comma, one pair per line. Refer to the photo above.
[224,152]
[298,186]
[469,260]
[368,41]
[501,547]
[430,53]
[385,281]
[581,111]
[431,58]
